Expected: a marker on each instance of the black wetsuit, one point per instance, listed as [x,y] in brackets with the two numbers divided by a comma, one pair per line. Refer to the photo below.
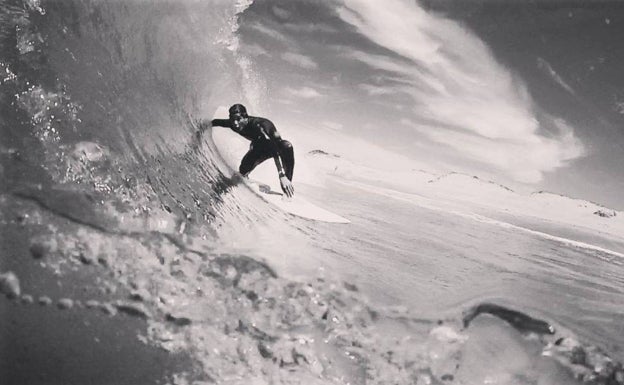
[266,143]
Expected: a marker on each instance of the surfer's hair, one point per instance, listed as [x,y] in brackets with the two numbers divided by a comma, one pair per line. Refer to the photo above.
[238,109]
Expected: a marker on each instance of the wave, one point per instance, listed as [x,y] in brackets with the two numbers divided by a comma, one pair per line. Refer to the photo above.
[440,206]
[100,105]
[127,77]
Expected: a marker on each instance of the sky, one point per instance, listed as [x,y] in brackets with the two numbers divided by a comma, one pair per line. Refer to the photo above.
[528,94]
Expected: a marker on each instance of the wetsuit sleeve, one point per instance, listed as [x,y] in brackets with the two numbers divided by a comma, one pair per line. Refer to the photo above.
[221,123]
[270,133]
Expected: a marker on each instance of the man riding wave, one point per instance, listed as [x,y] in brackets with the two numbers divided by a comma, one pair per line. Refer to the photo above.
[266,143]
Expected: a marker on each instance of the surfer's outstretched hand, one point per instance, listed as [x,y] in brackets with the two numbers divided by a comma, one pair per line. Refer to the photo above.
[287,187]
[202,126]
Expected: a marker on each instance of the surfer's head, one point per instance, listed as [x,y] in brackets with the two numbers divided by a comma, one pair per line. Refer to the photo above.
[238,116]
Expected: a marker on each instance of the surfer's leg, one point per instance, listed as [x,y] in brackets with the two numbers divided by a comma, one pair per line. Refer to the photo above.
[253,157]
[288,158]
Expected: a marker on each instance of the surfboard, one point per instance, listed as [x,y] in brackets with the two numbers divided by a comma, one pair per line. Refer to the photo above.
[232,148]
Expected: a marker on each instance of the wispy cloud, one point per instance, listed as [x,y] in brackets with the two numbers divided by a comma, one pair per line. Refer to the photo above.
[280,12]
[310,27]
[406,76]
[288,102]
[333,125]
[473,103]
[378,62]
[401,78]
[270,32]
[300,60]
[255,50]
[524,159]
[374,90]
[303,92]
[543,65]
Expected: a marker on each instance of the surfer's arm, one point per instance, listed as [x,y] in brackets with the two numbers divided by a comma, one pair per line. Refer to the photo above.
[270,133]
[221,123]
[278,164]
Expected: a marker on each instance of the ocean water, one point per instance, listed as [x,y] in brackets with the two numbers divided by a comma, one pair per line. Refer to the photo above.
[123,233]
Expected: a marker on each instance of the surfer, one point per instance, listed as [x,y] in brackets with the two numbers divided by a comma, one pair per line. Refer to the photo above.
[266,143]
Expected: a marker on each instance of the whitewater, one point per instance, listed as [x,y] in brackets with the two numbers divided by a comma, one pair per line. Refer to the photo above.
[128,255]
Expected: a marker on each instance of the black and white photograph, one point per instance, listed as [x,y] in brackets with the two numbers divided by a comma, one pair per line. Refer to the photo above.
[314,192]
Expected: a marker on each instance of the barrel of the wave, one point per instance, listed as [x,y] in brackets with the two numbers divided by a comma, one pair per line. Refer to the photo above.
[232,148]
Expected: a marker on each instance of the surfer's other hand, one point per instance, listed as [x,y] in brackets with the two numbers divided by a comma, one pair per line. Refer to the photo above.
[287,187]
[202,125]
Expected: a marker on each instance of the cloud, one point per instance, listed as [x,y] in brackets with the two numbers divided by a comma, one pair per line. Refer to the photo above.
[379,62]
[303,92]
[310,27]
[401,78]
[281,13]
[288,102]
[302,61]
[472,103]
[333,125]
[270,32]
[405,72]
[374,90]
[395,24]
[255,50]
[524,159]
[547,68]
